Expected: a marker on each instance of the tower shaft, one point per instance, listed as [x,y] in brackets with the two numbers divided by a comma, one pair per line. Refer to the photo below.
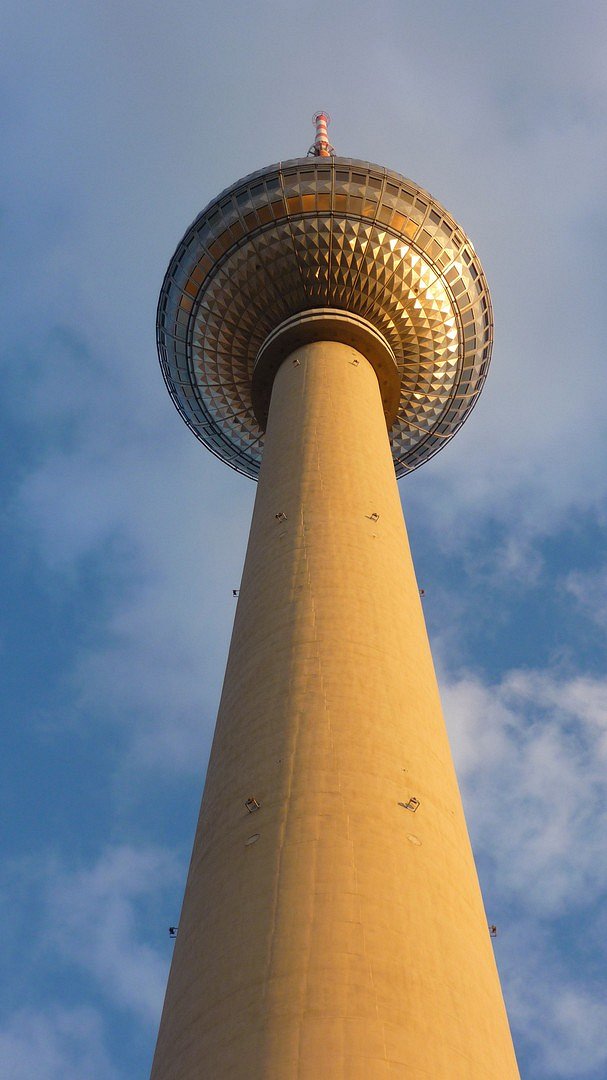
[338,930]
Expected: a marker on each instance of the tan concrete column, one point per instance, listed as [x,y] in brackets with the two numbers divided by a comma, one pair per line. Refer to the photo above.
[337,931]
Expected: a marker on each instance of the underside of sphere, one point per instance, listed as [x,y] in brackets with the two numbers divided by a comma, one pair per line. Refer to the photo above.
[324,233]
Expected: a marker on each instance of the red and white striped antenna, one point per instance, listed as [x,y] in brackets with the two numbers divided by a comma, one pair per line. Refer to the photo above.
[321,147]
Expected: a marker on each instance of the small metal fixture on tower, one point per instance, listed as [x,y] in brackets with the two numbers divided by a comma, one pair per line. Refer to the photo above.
[325,326]
[411,804]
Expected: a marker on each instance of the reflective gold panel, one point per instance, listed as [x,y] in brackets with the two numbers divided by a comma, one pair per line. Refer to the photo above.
[321,232]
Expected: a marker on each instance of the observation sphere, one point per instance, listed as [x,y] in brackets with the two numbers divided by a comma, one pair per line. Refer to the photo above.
[324,233]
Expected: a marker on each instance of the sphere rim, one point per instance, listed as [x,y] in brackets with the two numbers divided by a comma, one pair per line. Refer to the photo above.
[215,438]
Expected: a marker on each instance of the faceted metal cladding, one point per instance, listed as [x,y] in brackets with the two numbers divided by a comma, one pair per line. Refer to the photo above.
[314,233]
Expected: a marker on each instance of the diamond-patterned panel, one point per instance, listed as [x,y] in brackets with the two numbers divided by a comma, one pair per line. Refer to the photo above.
[315,233]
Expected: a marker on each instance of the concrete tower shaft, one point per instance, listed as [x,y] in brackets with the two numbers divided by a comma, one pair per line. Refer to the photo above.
[333,927]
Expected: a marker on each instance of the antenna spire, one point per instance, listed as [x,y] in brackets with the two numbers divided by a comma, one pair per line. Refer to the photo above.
[321,147]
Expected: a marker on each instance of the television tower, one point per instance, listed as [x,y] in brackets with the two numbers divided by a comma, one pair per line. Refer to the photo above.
[326,325]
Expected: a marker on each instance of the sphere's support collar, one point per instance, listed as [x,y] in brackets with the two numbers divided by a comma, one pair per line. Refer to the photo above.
[325,324]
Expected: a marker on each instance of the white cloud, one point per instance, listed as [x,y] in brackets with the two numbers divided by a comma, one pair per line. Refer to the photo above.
[54,1044]
[166,538]
[96,958]
[575,1042]
[531,753]
[589,588]
[559,1019]
[106,168]
[92,923]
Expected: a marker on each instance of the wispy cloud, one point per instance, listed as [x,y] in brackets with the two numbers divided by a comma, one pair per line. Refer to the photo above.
[94,929]
[113,148]
[55,1044]
[92,922]
[532,755]
[589,589]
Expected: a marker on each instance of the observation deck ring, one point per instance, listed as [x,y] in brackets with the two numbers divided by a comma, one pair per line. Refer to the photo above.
[324,233]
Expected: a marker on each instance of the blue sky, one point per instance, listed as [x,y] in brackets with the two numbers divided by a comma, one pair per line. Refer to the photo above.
[122,538]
